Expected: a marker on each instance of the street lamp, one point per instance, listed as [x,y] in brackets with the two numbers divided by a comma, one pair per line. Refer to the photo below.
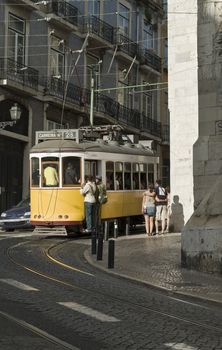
[15,113]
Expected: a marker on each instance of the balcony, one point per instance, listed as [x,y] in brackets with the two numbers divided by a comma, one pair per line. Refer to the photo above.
[155,5]
[151,126]
[105,108]
[126,46]
[99,29]
[65,12]
[58,88]
[14,72]
[149,59]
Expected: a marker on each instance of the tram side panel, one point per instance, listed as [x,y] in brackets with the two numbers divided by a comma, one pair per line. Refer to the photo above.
[122,204]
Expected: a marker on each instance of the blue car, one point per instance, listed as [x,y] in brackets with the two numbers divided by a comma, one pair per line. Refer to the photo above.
[17,217]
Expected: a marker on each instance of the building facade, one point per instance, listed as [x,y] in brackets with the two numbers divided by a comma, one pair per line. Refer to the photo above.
[50,50]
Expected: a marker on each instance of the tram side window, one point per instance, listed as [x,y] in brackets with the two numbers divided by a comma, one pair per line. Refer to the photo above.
[127,176]
[109,175]
[35,172]
[91,168]
[136,176]
[50,172]
[71,171]
[151,173]
[118,176]
[143,176]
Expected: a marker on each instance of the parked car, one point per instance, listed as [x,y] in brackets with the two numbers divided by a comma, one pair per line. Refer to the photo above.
[17,217]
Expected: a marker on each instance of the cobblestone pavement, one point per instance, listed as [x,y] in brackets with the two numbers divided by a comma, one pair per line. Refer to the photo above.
[156,261]
[112,313]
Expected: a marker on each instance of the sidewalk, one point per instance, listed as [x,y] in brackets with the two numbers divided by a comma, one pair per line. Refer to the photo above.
[156,261]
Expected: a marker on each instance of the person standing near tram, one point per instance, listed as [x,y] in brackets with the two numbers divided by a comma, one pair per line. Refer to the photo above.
[88,190]
[101,198]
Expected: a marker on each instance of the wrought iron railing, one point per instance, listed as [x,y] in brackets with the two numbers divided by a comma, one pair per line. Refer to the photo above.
[59,88]
[18,72]
[65,10]
[126,45]
[150,58]
[95,25]
[102,104]
[150,125]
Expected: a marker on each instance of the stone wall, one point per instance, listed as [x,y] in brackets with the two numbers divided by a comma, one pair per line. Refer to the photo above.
[183,104]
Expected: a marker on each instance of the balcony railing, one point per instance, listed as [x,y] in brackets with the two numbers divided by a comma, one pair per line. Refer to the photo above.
[95,25]
[18,72]
[126,45]
[150,125]
[59,88]
[65,10]
[102,104]
[149,58]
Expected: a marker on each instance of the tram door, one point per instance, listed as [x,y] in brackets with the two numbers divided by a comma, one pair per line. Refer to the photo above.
[11,166]
[91,168]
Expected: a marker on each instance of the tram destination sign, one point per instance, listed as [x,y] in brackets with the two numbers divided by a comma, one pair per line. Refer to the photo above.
[62,134]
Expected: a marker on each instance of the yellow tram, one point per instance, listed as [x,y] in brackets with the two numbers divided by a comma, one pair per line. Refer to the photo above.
[126,169]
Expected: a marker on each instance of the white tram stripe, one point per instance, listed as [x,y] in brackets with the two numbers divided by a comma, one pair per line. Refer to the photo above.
[18,284]
[180,346]
[90,312]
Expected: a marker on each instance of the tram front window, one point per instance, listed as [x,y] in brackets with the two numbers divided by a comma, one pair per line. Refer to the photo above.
[71,171]
[50,172]
[35,172]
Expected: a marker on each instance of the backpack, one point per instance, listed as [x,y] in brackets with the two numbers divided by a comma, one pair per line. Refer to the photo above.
[101,195]
[161,193]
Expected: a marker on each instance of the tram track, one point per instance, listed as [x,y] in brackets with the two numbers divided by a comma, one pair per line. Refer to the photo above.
[49,255]
[39,332]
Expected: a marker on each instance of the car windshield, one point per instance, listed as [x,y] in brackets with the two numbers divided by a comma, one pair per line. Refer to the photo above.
[24,203]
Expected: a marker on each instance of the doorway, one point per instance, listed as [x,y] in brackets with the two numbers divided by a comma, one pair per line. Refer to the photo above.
[11,172]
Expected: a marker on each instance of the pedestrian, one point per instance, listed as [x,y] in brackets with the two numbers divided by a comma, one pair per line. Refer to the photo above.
[161,206]
[149,209]
[101,198]
[51,176]
[169,212]
[88,190]
[70,175]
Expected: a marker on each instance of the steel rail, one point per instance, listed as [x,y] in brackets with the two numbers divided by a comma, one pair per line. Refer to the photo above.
[116,299]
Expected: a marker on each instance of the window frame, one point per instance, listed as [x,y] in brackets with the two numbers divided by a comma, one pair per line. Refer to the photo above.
[17,34]
[58,162]
[78,184]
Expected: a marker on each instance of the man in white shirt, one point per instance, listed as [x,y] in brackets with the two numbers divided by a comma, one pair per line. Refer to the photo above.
[88,190]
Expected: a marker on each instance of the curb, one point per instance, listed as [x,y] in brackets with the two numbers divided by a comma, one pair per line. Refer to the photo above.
[156,287]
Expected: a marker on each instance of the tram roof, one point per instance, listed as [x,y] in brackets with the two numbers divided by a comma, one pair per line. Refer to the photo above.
[93,146]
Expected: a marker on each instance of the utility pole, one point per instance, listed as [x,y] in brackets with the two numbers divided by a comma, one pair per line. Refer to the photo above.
[92,94]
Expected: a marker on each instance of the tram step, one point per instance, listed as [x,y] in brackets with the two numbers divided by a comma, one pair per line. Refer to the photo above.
[58,229]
